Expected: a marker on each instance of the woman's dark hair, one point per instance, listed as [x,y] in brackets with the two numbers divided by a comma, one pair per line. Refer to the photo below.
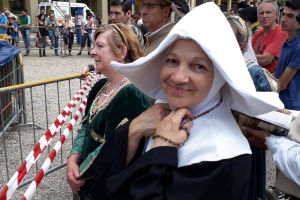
[234,10]
[98,18]
[89,15]
[293,4]
[126,5]
[40,16]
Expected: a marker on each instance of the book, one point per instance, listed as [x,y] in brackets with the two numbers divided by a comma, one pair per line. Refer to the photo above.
[275,122]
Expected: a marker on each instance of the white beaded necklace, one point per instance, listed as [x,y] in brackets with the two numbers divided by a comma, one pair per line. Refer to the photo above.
[93,111]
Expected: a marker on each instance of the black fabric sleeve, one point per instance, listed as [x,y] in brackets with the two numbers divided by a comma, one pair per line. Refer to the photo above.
[155,176]
[156,165]
[128,103]
[102,163]
[112,158]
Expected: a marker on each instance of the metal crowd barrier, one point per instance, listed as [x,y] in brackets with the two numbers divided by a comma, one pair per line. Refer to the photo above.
[42,102]
[12,103]
[61,45]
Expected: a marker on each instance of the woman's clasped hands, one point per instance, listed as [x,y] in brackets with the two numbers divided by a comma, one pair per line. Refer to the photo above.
[169,132]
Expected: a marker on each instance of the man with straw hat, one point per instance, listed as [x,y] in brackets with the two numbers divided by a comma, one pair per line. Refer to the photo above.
[155,16]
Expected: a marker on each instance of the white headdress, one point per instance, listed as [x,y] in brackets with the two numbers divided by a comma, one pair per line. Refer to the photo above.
[216,135]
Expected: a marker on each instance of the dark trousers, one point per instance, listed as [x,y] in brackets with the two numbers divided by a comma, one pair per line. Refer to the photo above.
[43,40]
[55,45]
[84,38]
[69,39]
[257,184]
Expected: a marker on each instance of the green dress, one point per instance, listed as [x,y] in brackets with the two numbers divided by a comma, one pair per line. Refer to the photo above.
[128,103]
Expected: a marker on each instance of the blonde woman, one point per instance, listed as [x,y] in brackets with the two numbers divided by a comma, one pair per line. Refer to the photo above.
[68,34]
[111,101]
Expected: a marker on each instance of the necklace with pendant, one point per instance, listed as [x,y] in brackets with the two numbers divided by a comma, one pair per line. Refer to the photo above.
[94,108]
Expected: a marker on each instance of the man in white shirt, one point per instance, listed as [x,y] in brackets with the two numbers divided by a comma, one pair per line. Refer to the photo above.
[9,15]
[52,24]
[286,155]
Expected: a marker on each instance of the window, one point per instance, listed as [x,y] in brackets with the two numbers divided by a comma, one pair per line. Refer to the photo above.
[17,5]
[48,9]
[73,11]
[42,8]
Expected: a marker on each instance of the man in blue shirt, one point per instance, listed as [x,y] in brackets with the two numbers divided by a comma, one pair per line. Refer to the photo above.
[288,69]
[3,23]
[14,32]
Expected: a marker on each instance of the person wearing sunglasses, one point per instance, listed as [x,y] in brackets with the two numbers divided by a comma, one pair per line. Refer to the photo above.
[155,16]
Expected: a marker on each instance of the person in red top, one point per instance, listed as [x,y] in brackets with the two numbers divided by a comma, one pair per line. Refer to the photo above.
[270,37]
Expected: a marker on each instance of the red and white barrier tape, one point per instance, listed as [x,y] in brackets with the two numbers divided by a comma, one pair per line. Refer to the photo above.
[45,140]
[46,165]
[40,175]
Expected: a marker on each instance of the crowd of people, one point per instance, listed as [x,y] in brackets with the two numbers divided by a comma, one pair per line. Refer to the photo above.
[47,26]
[187,145]
[160,124]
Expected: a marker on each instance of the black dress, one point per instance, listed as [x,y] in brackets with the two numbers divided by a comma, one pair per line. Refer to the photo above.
[155,175]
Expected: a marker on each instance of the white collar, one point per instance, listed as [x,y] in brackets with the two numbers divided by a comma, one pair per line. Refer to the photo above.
[216,135]
[213,137]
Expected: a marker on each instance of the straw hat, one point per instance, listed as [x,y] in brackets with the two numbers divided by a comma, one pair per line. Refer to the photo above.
[180,7]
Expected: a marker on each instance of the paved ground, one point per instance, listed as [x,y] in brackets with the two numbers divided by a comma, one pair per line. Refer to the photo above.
[54,186]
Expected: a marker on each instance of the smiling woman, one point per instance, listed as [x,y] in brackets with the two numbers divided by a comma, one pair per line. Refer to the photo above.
[187,74]
[197,150]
